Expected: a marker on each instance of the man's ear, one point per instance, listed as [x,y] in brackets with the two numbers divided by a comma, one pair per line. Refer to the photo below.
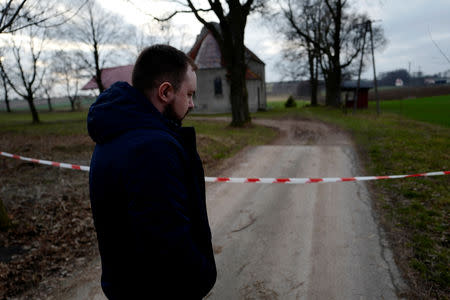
[165,91]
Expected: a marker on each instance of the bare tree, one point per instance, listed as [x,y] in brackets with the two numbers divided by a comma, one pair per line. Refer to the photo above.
[299,51]
[147,34]
[230,37]
[69,72]
[142,38]
[103,33]
[19,14]
[25,77]
[5,88]
[48,85]
[292,64]
[334,33]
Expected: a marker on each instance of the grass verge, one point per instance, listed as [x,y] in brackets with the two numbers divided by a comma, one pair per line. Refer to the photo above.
[217,141]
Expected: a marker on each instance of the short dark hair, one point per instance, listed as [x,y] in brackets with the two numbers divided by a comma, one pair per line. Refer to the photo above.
[159,63]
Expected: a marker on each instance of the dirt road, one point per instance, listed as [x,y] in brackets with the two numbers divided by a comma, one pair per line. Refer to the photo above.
[317,241]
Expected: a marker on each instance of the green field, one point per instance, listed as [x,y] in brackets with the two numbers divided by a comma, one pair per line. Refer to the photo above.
[42,106]
[54,123]
[434,110]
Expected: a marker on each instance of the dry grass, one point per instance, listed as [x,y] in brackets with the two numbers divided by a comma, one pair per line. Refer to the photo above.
[53,232]
[43,203]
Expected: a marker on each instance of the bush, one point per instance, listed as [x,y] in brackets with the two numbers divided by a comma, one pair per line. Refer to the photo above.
[290,102]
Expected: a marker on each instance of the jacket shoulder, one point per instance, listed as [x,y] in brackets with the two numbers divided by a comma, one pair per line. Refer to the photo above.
[153,138]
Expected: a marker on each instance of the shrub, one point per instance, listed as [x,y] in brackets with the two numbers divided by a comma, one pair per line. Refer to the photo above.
[290,102]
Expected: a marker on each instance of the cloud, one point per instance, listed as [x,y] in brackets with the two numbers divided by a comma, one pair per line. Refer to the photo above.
[406,27]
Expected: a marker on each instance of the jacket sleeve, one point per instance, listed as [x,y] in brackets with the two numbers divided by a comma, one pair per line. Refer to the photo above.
[159,219]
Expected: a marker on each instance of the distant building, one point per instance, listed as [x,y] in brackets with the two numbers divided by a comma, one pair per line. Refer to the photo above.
[349,87]
[398,82]
[435,81]
[213,89]
[428,81]
[110,76]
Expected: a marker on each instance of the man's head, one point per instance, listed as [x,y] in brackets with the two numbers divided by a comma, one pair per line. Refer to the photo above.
[166,76]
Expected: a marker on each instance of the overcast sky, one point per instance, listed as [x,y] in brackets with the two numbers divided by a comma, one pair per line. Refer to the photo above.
[407,26]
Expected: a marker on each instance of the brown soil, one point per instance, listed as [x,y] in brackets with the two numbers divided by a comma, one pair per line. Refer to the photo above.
[407,92]
[43,202]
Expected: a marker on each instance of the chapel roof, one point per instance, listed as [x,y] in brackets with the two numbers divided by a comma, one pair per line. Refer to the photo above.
[206,52]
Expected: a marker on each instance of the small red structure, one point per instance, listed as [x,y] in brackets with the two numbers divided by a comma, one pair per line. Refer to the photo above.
[110,76]
[363,93]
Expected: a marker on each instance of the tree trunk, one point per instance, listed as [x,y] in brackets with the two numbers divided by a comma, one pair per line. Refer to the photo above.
[314,86]
[50,108]
[8,108]
[313,76]
[5,222]
[5,89]
[33,110]
[333,88]
[238,85]
[98,71]
[233,53]
[239,97]
[72,104]
[98,80]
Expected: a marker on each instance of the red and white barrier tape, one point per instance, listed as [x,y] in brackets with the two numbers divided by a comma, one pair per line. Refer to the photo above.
[46,162]
[245,180]
[317,180]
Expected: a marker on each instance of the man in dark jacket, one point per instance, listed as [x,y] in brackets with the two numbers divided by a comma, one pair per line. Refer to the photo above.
[147,184]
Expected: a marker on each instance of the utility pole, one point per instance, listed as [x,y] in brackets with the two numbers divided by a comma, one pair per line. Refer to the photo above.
[374,71]
[355,96]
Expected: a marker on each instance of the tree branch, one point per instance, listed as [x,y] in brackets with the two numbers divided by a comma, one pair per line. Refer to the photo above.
[179,12]
[37,21]
[217,8]
[13,17]
[247,6]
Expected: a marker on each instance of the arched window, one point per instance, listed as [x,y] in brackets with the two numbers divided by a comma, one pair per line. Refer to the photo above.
[218,86]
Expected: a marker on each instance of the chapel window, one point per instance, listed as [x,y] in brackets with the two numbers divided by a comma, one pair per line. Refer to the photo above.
[218,86]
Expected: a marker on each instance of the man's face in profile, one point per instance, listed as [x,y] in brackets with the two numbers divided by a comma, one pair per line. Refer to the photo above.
[183,101]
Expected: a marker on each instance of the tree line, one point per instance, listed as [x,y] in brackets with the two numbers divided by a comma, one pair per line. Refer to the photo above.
[322,39]
[48,44]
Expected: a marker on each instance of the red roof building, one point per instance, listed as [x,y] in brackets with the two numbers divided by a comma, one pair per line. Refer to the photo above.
[212,95]
[110,76]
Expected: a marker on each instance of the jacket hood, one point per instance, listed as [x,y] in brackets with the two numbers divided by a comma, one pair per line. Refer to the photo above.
[122,108]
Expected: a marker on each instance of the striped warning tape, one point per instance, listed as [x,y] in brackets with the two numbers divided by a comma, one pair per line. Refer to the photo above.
[46,162]
[318,180]
[245,180]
